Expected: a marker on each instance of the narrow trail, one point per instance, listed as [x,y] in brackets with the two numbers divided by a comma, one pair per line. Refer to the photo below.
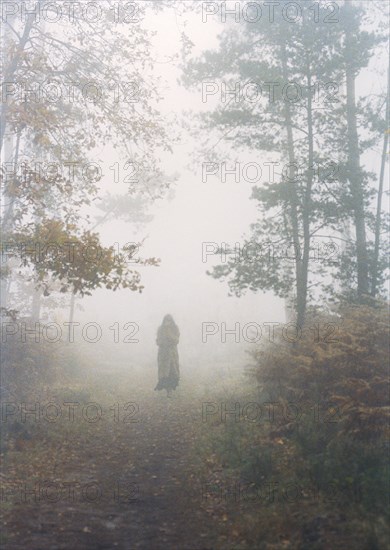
[141,462]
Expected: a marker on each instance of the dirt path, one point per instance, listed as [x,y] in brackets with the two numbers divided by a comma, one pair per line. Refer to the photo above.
[149,476]
[149,483]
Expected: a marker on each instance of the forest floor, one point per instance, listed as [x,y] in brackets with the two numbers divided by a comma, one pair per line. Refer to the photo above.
[129,480]
[135,478]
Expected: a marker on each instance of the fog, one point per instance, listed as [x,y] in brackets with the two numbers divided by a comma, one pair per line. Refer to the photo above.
[213,239]
[195,212]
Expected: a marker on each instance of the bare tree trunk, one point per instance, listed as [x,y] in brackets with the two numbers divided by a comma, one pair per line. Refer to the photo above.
[72,304]
[7,143]
[300,287]
[7,155]
[6,211]
[307,204]
[355,176]
[378,218]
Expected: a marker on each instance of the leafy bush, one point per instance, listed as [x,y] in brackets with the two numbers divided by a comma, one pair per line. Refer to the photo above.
[345,380]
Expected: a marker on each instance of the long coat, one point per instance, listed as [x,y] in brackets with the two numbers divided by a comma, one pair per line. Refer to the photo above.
[168,357]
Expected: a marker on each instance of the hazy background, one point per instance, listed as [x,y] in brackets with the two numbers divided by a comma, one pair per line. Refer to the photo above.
[195,212]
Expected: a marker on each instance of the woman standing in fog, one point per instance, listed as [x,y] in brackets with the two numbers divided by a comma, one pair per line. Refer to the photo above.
[168,358]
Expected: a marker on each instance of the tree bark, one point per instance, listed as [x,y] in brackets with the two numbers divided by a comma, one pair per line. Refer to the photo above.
[71,309]
[308,191]
[300,285]
[378,219]
[355,175]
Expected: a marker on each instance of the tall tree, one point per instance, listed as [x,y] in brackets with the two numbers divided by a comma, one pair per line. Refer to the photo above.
[71,88]
[354,172]
[317,130]
[291,67]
